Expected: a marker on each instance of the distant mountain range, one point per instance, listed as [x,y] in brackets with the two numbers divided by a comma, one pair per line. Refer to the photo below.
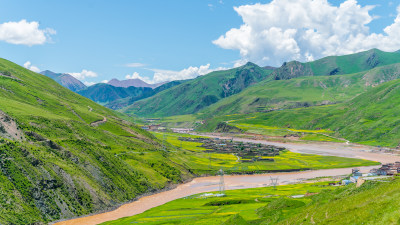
[118,97]
[251,88]
[65,80]
[132,83]
[248,88]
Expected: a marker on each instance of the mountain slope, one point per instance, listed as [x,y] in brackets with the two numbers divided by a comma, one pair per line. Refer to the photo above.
[193,95]
[65,80]
[62,155]
[371,118]
[337,65]
[124,102]
[302,91]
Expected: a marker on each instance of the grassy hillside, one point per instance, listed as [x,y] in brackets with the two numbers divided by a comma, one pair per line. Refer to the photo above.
[193,95]
[370,118]
[302,91]
[336,65]
[62,155]
[372,203]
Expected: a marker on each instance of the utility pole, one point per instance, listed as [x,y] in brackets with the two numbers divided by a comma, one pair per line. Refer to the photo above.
[163,142]
[209,160]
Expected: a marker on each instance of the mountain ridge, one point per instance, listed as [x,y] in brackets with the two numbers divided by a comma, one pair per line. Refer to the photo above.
[132,82]
[65,79]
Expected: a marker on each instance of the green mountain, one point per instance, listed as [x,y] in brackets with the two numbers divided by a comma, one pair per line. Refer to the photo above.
[196,94]
[337,65]
[62,155]
[370,118]
[105,93]
[65,80]
[124,102]
[302,91]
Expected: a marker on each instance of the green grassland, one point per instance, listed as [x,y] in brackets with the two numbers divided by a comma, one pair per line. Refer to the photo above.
[372,203]
[201,162]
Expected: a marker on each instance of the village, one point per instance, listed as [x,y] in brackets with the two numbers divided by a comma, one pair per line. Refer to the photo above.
[247,152]
[385,171]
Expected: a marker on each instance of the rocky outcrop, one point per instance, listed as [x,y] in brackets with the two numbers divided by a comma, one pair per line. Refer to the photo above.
[292,70]
[9,128]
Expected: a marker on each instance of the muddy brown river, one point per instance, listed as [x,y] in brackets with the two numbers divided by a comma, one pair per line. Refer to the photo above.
[206,184]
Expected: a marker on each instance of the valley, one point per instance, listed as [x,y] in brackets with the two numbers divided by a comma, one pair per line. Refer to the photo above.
[199,112]
[234,182]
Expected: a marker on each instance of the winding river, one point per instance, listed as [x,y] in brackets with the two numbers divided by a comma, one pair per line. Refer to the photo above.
[205,184]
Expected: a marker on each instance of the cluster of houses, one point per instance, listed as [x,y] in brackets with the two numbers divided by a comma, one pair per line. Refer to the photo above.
[154,127]
[182,130]
[248,152]
[385,171]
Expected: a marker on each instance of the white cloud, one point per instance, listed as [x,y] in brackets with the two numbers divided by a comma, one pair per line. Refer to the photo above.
[136,75]
[104,81]
[87,83]
[136,64]
[170,75]
[188,73]
[31,67]
[24,33]
[83,74]
[284,30]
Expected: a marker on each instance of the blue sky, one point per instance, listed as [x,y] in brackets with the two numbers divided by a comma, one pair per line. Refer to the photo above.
[99,40]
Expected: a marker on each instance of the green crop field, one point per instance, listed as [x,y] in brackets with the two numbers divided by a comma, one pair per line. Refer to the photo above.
[202,162]
[372,203]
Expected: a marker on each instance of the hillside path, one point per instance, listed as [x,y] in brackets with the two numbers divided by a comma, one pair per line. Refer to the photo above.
[97,123]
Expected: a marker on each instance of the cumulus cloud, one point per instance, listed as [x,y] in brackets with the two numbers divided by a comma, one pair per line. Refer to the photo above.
[305,30]
[188,73]
[136,64]
[83,74]
[170,75]
[87,83]
[24,33]
[31,67]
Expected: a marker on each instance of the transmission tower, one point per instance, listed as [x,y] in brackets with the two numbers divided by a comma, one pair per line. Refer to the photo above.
[221,182]
[274,181]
